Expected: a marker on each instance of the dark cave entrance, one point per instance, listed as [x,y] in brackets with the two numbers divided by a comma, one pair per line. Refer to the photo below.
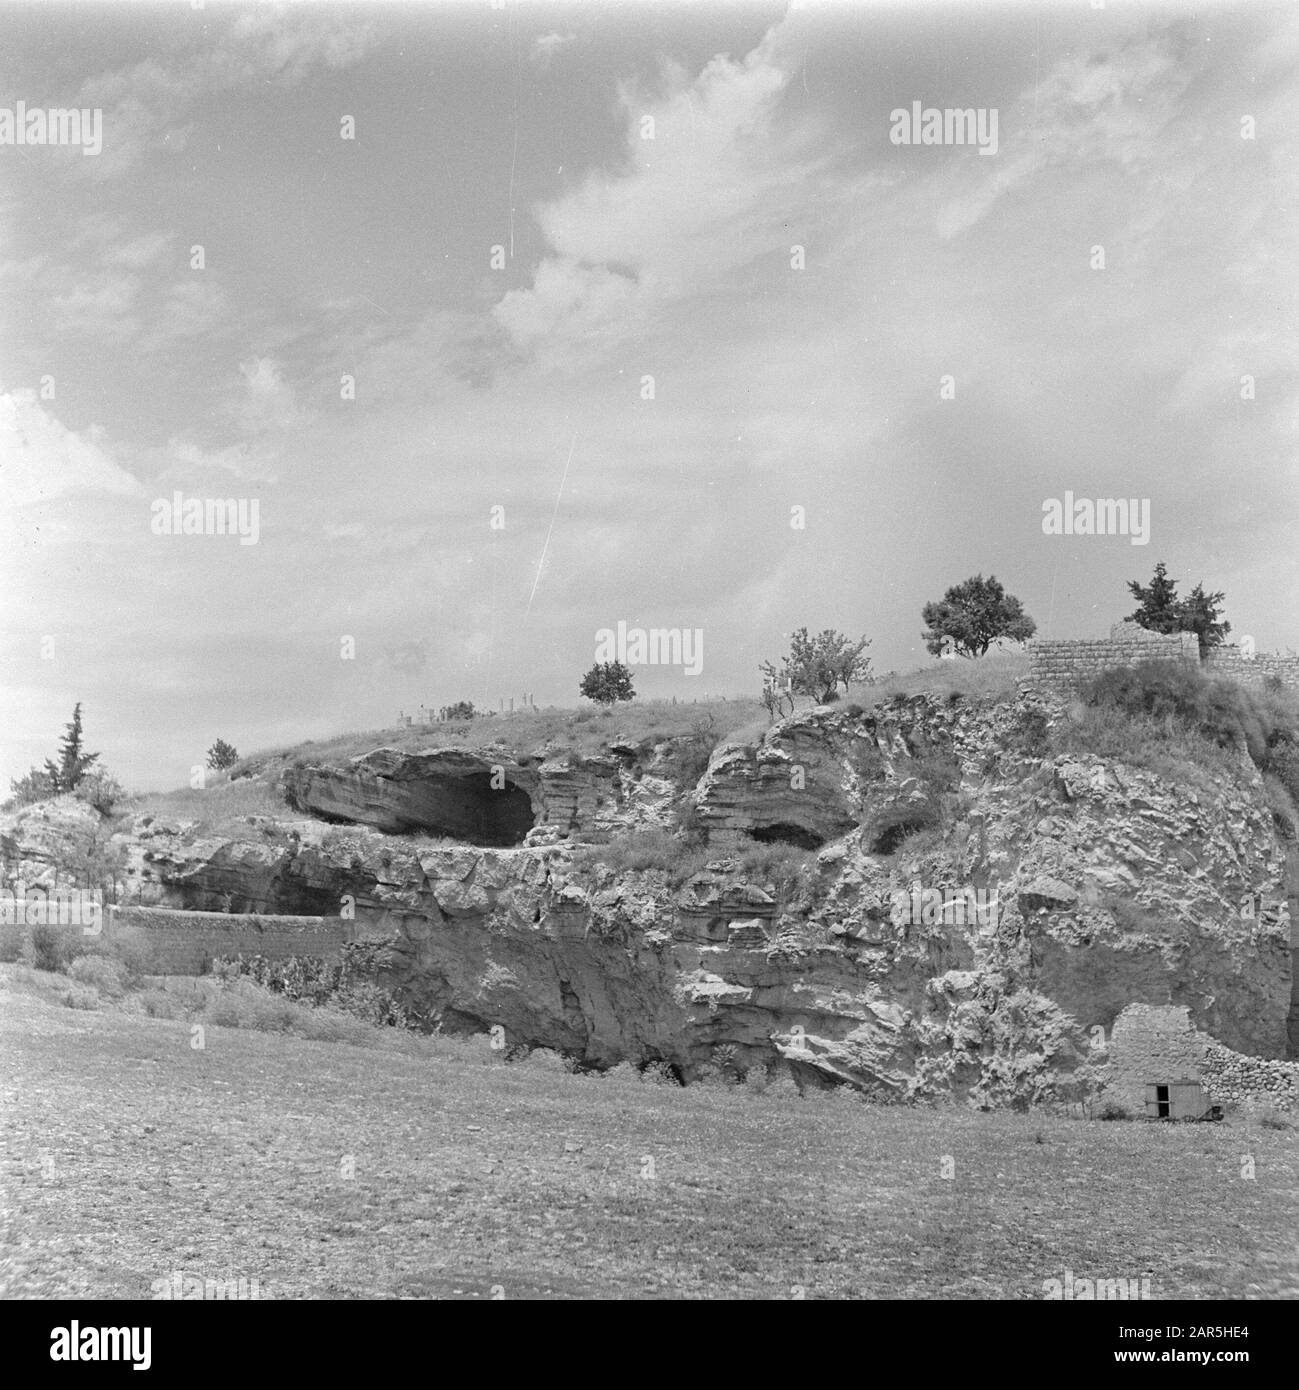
[889,840]
[468,807]
[786,834]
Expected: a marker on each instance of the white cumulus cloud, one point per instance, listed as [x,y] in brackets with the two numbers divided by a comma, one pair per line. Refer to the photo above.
[41,459]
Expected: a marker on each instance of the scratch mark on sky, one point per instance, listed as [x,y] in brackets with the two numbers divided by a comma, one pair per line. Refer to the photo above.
[551,527]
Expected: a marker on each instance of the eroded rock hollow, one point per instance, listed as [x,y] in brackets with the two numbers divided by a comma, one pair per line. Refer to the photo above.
[457,795]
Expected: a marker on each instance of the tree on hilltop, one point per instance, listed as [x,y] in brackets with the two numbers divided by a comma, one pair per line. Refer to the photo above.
[222,755]
[1161,610]
[35,785]
[607,682]
[1201,612]
[971,616]
[74,762]
[816,666]
[73,768]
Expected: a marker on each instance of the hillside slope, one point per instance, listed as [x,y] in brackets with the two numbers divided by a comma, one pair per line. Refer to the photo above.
[786,907]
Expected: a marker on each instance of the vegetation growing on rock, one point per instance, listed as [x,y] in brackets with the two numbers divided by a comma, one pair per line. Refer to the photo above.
[695,878]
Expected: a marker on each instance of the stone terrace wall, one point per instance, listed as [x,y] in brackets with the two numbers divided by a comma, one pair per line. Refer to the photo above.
[1151,1042]
[1065,662]
[173,942]
[1228,661]
[181,943]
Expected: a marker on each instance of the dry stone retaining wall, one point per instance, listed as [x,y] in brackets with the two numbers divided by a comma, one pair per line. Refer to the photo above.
[1229,661]
[1231,1078]
[169,941]
[1063,663]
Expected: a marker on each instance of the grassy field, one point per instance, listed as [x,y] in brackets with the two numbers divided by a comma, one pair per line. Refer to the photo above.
[429,1168]
[995,675]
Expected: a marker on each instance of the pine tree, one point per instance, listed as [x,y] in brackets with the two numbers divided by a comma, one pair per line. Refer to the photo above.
[73,764]
[222,755]
[1161,609]
[1200,614]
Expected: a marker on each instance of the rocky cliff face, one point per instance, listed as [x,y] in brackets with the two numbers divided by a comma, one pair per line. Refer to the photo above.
[484,798]
[967,915]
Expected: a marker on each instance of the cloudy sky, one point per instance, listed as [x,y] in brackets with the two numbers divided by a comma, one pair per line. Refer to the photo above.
[540,208]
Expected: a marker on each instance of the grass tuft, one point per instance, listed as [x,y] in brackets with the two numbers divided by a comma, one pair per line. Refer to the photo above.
[222,807]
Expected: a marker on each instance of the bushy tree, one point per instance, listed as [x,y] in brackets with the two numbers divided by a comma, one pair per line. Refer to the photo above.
[222,755]
[462,709]
[37,785]
[1161,610]
[607,682]
[101,790]
[73,771]
[971,616]
[74,762]
[816,666]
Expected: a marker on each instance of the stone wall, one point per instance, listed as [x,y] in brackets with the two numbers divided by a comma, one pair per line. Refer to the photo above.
[1066,662]
[1228,660]
[1231,1078]
[1151,1042]
[168,941]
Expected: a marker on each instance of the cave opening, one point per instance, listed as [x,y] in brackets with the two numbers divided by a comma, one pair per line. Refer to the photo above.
[889,839]
[468,807]
[786,834]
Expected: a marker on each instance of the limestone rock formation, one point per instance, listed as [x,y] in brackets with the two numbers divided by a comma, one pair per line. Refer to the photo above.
[977,960]
[482,798]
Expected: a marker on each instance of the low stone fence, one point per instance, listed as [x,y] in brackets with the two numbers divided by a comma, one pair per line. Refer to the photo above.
[1231,1078]
[171,941]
